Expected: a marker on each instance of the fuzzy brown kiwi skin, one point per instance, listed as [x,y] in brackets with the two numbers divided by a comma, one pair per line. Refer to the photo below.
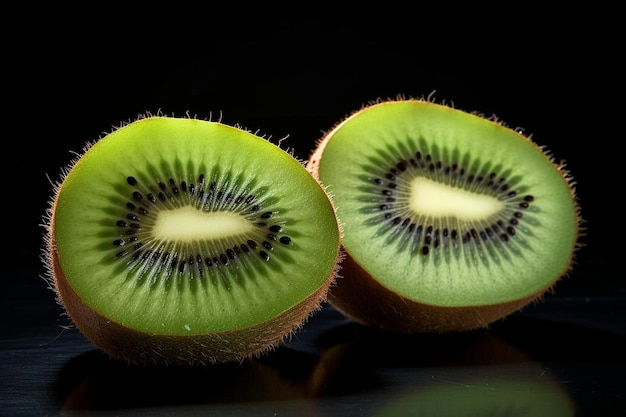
[362,298]
[391,312]
[135,347]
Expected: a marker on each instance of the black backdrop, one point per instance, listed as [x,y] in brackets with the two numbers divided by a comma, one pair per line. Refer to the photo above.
[73,73]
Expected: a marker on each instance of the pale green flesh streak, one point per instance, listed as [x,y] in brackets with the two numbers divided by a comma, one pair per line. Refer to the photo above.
[430,198]
[190,224]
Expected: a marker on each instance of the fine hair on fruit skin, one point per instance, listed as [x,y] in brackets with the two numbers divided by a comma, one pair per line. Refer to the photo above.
[181,241]
[450,220]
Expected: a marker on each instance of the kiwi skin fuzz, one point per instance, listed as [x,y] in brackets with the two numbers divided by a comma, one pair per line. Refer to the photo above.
[361,297]
[138,347]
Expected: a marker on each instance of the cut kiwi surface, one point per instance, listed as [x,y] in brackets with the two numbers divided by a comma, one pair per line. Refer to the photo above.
[179,240]
[450,220]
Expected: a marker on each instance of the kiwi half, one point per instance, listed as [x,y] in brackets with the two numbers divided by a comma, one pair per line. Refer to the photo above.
[450,220]
[178,240]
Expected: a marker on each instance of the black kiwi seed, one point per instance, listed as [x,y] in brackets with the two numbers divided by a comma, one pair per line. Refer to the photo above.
[136,223]
[391,185]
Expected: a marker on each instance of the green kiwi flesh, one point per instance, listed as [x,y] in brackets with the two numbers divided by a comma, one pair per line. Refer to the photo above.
[179,240]
[450,220]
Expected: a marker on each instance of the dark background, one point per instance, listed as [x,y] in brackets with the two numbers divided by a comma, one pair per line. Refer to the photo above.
[71,74]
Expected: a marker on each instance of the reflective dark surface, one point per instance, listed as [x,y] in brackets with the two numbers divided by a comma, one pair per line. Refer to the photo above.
[563,357]
[71,73]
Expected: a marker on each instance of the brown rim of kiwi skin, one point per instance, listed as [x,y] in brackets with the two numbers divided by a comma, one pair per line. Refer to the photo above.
[136,347]
[391,311]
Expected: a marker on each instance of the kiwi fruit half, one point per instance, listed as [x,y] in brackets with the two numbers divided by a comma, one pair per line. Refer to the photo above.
[175,240]
[450,220]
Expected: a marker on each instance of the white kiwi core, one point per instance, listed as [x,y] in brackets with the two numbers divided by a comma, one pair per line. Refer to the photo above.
[187,223]
[439,200]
